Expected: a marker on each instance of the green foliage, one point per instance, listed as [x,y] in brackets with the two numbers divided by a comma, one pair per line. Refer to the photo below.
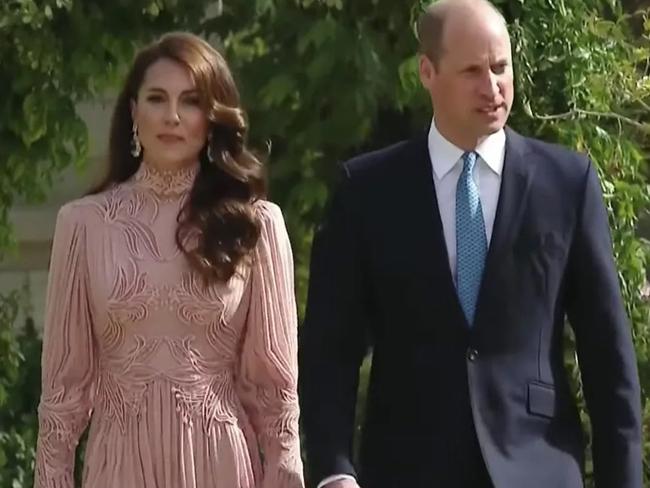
[18,407]
[322,80]
[19,390]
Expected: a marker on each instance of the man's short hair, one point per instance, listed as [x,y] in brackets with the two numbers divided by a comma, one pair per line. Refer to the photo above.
[431,24]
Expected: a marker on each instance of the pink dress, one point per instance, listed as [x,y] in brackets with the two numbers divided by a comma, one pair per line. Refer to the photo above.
[184,386]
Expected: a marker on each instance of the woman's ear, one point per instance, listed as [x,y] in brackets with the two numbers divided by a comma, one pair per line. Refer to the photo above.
[134,109]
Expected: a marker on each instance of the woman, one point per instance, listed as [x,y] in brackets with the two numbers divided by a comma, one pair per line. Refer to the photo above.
[171,319]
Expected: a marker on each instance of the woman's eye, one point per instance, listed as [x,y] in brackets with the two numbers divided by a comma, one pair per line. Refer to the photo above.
[155,98]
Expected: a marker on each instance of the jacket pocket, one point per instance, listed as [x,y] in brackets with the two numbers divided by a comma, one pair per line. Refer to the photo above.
[541,399]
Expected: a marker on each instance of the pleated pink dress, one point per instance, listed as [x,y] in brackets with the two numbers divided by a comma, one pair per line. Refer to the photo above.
[184,386]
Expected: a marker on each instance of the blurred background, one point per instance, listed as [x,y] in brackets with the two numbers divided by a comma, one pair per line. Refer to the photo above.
[321,80]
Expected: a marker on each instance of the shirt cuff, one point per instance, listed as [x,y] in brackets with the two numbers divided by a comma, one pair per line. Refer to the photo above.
[333,478]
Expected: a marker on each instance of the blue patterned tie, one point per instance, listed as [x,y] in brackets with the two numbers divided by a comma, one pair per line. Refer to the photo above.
[471,242]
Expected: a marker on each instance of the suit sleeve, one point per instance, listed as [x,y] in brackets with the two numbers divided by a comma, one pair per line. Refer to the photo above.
[333,338]
[604,346]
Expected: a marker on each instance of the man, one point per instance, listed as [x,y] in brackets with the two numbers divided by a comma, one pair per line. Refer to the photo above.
[457,256]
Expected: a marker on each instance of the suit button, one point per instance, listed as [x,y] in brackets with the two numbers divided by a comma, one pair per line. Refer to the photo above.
[472,355]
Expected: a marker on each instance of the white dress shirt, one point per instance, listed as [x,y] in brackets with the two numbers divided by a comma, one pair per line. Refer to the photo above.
[447,163]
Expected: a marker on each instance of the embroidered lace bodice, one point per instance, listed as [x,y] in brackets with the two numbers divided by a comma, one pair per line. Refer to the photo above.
[184,385]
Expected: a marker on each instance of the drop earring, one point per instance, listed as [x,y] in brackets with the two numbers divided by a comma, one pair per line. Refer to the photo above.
[136,147]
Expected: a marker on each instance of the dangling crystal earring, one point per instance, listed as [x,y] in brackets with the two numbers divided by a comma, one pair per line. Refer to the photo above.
[136,147]
[209,148]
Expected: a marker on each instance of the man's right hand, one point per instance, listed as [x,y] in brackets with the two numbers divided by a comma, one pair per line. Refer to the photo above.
[342,484]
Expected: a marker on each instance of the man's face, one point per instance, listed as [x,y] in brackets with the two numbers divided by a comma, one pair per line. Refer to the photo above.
[472,86]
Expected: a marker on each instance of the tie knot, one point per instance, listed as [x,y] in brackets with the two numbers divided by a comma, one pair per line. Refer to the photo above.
[469,160]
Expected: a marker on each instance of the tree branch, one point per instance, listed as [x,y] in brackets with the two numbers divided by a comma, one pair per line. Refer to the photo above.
[609,115]
[644,105]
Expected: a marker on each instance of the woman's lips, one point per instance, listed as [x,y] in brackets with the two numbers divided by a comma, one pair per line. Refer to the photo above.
[170,138]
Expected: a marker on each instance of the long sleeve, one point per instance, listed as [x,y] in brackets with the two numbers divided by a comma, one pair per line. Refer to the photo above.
[604,345]
[269,370]
[333,337]
[68,361]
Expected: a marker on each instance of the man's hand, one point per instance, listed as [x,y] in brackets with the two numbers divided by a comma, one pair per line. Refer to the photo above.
[342,484]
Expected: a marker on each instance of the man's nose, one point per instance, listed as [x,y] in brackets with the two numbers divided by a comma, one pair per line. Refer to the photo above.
[490,85]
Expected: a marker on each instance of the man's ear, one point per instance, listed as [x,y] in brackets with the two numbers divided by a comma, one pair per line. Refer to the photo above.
[427,71]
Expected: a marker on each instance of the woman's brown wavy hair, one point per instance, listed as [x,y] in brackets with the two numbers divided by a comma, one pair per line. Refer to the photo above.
[219,217]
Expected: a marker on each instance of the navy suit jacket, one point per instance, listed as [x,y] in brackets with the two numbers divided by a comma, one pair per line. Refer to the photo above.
[448,405]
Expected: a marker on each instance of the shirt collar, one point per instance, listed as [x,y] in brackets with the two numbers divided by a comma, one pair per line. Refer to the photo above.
[444,155]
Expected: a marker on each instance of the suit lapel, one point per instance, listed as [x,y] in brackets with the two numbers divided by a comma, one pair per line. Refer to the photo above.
[515,184]
[425,204]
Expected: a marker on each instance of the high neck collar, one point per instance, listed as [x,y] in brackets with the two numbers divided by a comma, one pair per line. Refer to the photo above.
[166,182]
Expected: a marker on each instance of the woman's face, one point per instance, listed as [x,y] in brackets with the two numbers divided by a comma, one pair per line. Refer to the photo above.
[172,124]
